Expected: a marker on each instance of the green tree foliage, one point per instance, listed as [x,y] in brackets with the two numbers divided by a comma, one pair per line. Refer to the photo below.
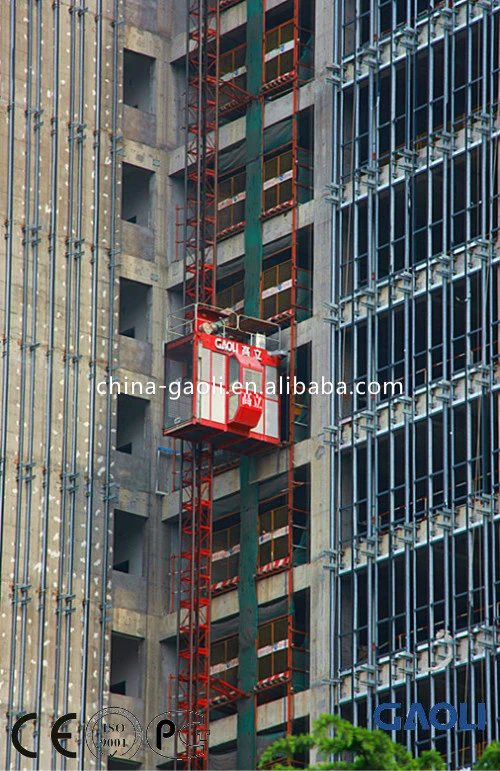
[490,759]
[367,750]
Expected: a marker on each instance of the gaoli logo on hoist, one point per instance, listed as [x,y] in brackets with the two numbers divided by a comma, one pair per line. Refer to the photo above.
[232,346]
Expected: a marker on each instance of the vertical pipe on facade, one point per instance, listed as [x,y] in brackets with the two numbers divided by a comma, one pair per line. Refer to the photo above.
[430,442]
[469,439]
[428,376]
[486,324]
[391,469]
[357,471]
[8,268]
[492,663]
[24,344]
[77,305]
[355,244]
[6,335]
[334,485]
[34,274]
[471,702]
[77,254]
[409,426]
[355,204]
[112,256]
[52,251]
[7,311]
[393,457]
[449,497]
[338,343]
[90,482]
[17,684]
[428,422]
[492,695]
[410,686]
[469,690]
[370,441]
[391,438]
[66,378]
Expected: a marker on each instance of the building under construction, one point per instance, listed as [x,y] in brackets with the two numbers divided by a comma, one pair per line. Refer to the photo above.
[253,191]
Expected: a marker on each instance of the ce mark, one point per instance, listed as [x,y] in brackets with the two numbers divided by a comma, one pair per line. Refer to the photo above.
[55,734]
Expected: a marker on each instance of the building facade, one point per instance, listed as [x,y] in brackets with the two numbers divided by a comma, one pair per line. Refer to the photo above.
[333,169]
[93,266]
[60,127]
[415,478]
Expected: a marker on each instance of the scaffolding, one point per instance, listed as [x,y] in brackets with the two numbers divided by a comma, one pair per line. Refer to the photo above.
[415,301]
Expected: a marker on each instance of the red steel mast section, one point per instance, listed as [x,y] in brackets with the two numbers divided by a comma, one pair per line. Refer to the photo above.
[202,108]
[194,604]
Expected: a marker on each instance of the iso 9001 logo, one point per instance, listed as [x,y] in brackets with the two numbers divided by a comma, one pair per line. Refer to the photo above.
[114,732]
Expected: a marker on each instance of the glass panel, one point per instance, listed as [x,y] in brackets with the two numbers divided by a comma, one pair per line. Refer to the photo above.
[265,522]
[265,635]
[280,517]
[265,553]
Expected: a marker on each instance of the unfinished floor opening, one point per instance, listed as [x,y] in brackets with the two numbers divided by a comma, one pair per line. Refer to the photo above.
[131,424]
[126,673]
[138,195]
[139,81]
[135,310]
[128,543]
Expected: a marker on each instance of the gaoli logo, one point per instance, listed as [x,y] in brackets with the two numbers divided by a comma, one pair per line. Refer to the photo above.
[227,345]
[416,714]
[233,346]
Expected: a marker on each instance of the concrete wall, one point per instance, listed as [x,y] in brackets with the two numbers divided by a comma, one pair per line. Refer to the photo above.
[52,511]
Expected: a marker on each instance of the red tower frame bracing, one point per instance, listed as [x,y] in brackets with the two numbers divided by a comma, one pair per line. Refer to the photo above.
[202,112]
[200,230]
[194,592]
[200,245]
